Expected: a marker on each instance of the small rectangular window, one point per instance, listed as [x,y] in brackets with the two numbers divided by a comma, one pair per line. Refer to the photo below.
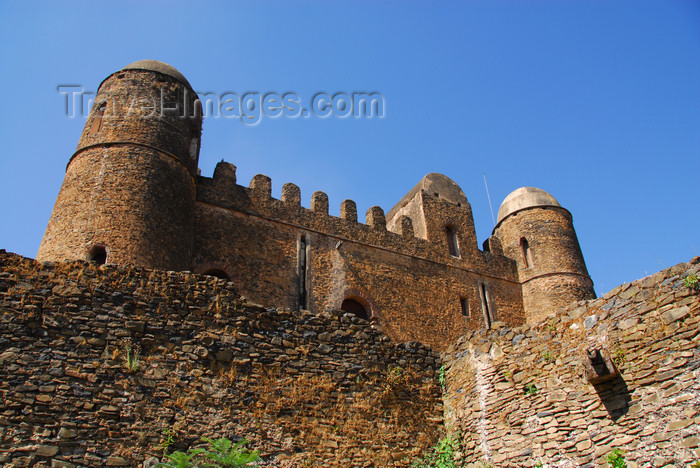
[452,243]
[302,270]
[464,306]
[525,250]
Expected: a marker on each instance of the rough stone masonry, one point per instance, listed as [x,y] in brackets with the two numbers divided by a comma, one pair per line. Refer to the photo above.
[531,394]
[325,389]
[132,195]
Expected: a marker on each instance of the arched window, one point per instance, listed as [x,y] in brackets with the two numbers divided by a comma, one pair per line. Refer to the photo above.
[217,273]
[525,250]
[355,307]
[97,120]
[452,243]
[97,254]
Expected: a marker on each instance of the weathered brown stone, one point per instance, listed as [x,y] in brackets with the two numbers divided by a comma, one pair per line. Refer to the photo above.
[132,196]
[644,408]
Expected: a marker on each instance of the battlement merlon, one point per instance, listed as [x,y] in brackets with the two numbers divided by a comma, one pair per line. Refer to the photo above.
[416,226]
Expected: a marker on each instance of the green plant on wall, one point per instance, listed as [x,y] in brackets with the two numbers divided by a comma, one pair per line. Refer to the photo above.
[132,358]
[217,453]
[547,355]
[442,379]
[616,459]
[530,389]
[168,439]
[692,282]
[442,455]
[619,357]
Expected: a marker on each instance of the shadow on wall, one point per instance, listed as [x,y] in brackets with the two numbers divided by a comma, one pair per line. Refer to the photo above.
[601,372]
[615,396]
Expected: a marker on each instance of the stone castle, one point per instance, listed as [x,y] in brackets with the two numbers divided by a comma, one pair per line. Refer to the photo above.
[133,195]
[122,361]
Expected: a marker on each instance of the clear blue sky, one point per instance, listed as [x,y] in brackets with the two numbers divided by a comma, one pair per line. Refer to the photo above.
[596,102]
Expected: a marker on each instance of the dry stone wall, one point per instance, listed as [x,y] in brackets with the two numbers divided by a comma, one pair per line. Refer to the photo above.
[522,397]
[320,389]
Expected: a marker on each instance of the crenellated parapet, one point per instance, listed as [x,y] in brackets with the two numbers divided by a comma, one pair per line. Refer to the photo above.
[397,233]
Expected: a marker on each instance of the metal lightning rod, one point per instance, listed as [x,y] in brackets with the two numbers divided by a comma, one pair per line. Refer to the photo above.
[489,197]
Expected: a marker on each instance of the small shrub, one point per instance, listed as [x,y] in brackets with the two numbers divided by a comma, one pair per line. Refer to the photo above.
[619,357]
[168,439]
[531,389]
[692,282]
[218,453]
[442,455]
[132,358]
[547,356]
[179,460]
[441,378]
[225,453]
[616,459]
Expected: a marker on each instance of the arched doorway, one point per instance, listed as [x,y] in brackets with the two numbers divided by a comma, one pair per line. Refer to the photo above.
[218,273]
[355,307]
[97,254]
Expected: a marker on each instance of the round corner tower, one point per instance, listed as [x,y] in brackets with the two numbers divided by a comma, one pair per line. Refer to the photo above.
[538,233]
[129,190]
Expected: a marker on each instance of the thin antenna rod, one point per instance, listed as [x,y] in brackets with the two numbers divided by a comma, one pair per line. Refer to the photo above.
[489,197]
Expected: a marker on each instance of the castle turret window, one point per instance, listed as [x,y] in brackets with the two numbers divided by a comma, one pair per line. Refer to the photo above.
[97,120]
[525,250]
[452,243]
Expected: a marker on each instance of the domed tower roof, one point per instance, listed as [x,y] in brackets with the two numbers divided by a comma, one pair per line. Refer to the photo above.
[525,197]
[439,184]
[161,67]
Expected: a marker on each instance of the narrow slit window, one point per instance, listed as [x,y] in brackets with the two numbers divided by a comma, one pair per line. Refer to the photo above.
[525,250]
[97,121]
[464,306]
[485,305]
[302,266]
[452,243]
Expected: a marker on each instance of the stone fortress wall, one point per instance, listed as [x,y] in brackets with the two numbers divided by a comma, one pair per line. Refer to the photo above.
[306,389]
[329,389]
[132,196]
[533,394]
